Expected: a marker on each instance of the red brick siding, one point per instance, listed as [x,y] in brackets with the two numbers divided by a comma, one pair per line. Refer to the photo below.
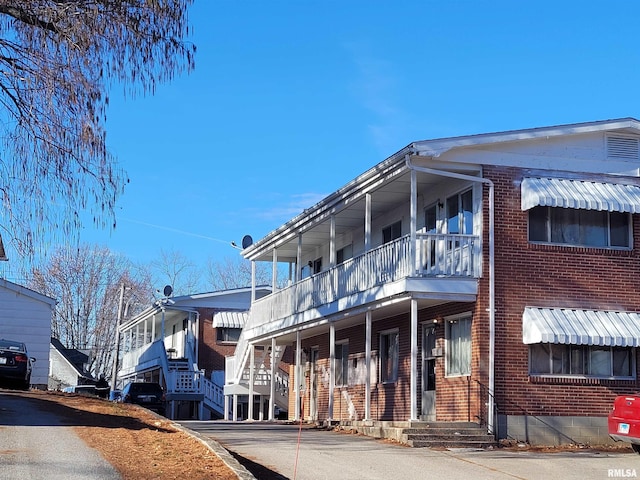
[550,276]
[211,353]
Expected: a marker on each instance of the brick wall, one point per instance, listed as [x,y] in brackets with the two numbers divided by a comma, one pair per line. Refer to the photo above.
[551,276]
[211,353]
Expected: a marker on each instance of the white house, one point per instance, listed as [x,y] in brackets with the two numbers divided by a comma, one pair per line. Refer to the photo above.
[26,316]
[67,367]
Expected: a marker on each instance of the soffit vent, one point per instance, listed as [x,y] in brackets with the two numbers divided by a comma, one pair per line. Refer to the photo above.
[623,147]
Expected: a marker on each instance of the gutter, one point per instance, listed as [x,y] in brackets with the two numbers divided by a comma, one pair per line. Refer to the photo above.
[492,308]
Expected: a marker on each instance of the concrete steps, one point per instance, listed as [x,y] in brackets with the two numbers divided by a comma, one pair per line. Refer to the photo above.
[447,435]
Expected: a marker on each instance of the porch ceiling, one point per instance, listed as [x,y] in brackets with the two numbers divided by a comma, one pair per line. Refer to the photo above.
[350,319]
[349,213]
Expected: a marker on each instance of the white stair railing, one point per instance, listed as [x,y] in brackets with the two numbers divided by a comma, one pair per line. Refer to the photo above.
[213,396]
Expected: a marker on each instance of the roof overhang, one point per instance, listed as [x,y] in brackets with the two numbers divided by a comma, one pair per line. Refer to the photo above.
[580,327]
[437,147]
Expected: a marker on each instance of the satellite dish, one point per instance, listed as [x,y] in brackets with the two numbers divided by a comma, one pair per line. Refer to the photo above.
[247,241]
[168,290]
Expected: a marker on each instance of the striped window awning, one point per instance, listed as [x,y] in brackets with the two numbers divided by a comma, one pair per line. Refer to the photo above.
[580,327]
[230,319]
[580,194]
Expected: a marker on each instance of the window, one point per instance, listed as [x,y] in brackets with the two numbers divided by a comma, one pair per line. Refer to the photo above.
[580,360]
[458,345]
[392,232]
[569,226]
[430,227]
[389,345]
[311,268]
[460,213]
[342,364]
[344,254]
[227,334]
[430,219]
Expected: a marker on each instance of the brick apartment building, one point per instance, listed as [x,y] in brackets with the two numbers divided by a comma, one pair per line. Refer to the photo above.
[486,278]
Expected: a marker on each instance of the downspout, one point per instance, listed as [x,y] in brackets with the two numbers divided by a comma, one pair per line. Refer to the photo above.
[492,308]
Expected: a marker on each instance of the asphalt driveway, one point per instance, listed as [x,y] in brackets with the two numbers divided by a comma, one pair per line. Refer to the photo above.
[313,454]
[37,445]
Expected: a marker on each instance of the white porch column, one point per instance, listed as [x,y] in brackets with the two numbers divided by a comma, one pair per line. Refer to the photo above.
[413,223]
[298,258]
[251,381]
[162,325]
[234,414]
[367,223]
[261,409]
[272,387]
[298,371]
[332,367]
[332,242]
[367,381]
[197,337]
[226,408]
[413,386]
[253,281]
[274,271]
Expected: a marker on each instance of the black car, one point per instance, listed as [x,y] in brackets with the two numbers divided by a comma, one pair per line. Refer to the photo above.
[147,394]
[15,363]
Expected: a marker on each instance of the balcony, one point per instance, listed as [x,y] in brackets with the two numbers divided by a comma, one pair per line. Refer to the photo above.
[374,275]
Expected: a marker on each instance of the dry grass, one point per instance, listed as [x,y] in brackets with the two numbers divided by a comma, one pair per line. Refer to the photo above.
[139,444]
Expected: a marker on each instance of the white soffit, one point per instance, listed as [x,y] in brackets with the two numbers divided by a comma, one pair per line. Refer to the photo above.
[230,319]
[581,194]
[580,327]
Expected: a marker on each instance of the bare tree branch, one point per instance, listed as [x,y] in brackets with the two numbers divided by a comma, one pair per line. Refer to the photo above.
[58,62]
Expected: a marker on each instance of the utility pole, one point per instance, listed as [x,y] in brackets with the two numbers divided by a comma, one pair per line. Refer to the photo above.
[114,374]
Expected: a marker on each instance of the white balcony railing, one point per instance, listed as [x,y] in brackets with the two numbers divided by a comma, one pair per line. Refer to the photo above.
[437,254]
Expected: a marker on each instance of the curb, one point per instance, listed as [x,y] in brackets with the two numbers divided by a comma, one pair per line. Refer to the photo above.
[220,451]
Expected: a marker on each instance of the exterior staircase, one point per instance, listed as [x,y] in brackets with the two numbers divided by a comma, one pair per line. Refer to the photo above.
[238,375]
[447,435]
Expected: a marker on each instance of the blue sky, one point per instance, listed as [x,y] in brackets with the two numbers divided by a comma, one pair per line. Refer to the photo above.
[292,99]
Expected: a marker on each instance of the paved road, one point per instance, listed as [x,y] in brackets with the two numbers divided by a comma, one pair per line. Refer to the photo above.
[36,445]
[331,455]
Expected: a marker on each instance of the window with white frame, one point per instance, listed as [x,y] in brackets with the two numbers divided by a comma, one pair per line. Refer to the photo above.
[389,346]
[341,370]
[460,213]
[392,232]
[569,226]
[458,346]
[431,218]
[344,254]
[581,361]
[311,268]
[228,334]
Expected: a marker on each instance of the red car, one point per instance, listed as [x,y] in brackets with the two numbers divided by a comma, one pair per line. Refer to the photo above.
[624,420]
